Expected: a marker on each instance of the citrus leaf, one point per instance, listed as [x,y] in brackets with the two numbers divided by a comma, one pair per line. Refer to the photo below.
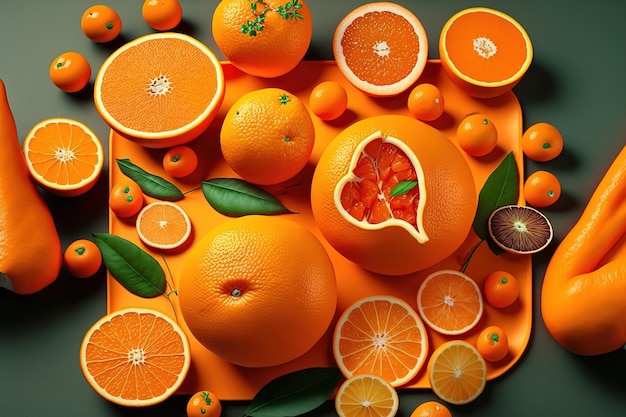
[150,184]
[500,189]
[295,393]
[131,266]
[402,187]
[235,197]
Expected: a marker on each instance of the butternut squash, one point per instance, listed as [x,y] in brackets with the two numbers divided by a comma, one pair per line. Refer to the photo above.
[30,248]
[583,297]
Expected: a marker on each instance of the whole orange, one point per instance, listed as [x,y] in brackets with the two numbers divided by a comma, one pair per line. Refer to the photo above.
[162,14]
[542,189]
[267,136]
[263,38]
[477,135]
[252,285]
[101,23]
[70,72]
[443,196]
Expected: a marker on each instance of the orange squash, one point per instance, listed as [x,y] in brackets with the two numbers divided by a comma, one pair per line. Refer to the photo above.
[583,295]
[30,249]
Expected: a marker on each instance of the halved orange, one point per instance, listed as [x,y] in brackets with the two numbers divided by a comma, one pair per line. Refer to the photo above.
[457,372]
[380,335]
[64,156]
[484,52]
[163,225]
[135,357]
[450,302]
[366,396]
[381,48]
[160,90]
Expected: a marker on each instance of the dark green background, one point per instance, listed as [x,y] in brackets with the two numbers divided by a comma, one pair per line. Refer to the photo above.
[576,82]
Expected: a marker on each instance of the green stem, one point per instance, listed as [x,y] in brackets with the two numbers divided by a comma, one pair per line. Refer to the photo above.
[469,257]
[170,286]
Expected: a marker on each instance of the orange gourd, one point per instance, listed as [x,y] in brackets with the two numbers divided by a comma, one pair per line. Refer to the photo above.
[30,249]
[583,295]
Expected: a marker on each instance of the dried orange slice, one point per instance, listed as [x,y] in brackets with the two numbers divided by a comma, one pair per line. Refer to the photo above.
[64,156]
[457,372]
[450,302]
[163,225]
[484,51]
[381,48]
[135,357]
[160,90]
[366,396]
[380,335]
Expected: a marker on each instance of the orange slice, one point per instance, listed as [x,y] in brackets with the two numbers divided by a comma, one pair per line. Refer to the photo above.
[366,396]
[135,357]
[381,48]
[160,90]
[64,156]
[163,225]
[457,373]
[484,51]
[450,302]
[383,336]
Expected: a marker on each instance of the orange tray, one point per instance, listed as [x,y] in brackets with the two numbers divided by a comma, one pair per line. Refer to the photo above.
[230,382]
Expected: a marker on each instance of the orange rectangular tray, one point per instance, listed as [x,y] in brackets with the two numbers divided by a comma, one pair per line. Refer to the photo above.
[229,382]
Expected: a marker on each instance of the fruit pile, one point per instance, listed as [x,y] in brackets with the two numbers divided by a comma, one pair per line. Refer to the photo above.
[391,194]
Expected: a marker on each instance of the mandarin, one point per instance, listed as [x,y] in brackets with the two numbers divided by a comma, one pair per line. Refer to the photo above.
[180,161]
[501,289]
[430,217]
[252,284]
[426,102]
[70,72]
[493,343]
[431,409]
[82,258]
[101,23]
[542,142]
[477,135]
[126,198]
[542,189]
[328,100]
[267,136]
[263,38]
[162,14]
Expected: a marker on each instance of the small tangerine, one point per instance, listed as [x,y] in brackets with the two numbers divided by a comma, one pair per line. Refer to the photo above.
[126,198]
[542,142]
[426,102]
[82,258]
[180,161]
[542,189]
[493,343]
[162,14]
[70,72]
[204,404]
[501,289]
[328,100]
[477,135]
[431,409]
[101,23]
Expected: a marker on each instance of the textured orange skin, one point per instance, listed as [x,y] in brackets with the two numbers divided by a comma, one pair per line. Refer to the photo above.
[450,202]
[288,293]
[582,298]
[275,50]
[30,249]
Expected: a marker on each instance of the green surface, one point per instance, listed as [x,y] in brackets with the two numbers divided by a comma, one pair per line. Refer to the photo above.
[576,82]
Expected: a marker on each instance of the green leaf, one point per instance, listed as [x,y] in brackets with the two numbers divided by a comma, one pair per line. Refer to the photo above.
[131,266]
[500,189]
[235,197]
[150,184]
[402,187]
[295,393]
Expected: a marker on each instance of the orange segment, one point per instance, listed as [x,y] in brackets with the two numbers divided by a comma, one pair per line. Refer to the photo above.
[484,51]
[163,225]
[381,48]
[160,90]
[366,396]
[135,357]
[450,302]
[64,156]
[457,373]
[380,335]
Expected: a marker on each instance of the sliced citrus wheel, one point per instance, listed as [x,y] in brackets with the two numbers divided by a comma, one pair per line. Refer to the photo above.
[160,90]
[64,156]
[135,357]
[457,372]
[163,225]
[449,302]
[381,48]
[484,51]
[366,396]
[520,229]
[380,335]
